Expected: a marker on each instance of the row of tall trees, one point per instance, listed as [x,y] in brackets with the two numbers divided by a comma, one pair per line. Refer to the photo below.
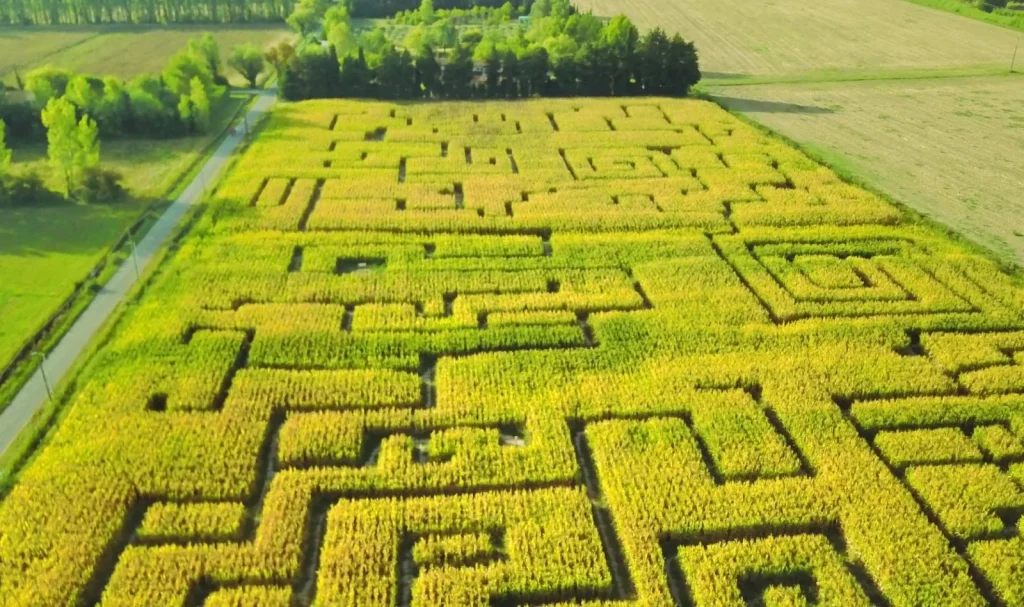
[562,53]
[80,12]
[388,8]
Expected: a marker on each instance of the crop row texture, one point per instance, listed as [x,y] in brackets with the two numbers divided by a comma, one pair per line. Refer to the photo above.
[560,352]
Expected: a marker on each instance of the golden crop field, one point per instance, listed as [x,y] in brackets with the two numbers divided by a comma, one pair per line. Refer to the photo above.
[784,37]
[560,352]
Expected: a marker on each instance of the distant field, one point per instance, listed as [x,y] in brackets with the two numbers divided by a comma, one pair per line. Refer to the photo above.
[782,37]
[118,50]
[951,148]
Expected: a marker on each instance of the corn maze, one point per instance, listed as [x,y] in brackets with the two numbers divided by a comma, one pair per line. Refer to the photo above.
[556,352]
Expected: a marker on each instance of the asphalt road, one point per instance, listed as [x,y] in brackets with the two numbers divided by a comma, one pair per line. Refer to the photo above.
[33,394]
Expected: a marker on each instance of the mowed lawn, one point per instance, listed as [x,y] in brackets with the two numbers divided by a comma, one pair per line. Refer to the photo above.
[45,250]
[121,51]
[737,38]
[951,148]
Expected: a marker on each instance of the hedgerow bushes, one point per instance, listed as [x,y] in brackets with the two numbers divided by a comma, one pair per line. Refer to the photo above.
[549,352]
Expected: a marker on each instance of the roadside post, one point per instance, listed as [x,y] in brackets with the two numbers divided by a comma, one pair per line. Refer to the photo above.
[135,255]
[46,380]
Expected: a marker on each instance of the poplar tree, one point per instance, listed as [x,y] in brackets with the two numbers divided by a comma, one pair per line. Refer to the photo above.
[72,146]
[200,106]
[5,152]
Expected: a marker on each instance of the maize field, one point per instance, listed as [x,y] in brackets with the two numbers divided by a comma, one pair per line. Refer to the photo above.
[551,352]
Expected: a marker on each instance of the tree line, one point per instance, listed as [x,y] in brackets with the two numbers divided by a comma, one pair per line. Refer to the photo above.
[387,8]
[173,103]
[94,12]
[561,53]
[72,112]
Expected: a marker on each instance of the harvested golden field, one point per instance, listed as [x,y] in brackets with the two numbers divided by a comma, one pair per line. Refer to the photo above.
[560,352]
[950,148]
[786,37]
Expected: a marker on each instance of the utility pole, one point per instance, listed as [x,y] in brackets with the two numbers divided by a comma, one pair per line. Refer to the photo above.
[42,370]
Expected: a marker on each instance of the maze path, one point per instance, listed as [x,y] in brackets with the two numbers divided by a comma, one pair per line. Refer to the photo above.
[558,352]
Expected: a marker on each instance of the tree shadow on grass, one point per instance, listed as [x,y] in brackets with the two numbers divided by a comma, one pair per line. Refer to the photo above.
[754,106]
[724,76]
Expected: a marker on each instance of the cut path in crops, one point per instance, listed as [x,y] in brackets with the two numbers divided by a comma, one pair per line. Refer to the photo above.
[738,39]
[557,351]
[121,51]
[949,148]
[34,393]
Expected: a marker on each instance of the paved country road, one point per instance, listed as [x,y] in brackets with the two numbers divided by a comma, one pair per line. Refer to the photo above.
[33,394]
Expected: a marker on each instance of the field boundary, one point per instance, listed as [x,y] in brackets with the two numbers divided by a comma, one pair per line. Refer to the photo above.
[46,329]
[1012,22]
[841,76]
[54,327]
[52,53]
[1014,269]
[34,435]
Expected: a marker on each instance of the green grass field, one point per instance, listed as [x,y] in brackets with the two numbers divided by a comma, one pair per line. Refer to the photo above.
[45,250]
[121,51]
[43,253]
[607,352]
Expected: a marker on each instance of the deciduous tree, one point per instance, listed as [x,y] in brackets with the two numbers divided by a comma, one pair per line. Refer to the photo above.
[183,68]
[247,59]
[458,73]
[207,49]
[5,152]
[200,106]
[278,56]
[428,74]
[72,146]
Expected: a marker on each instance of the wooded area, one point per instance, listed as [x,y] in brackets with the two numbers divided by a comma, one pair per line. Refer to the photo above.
[94,12]
[560,53]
